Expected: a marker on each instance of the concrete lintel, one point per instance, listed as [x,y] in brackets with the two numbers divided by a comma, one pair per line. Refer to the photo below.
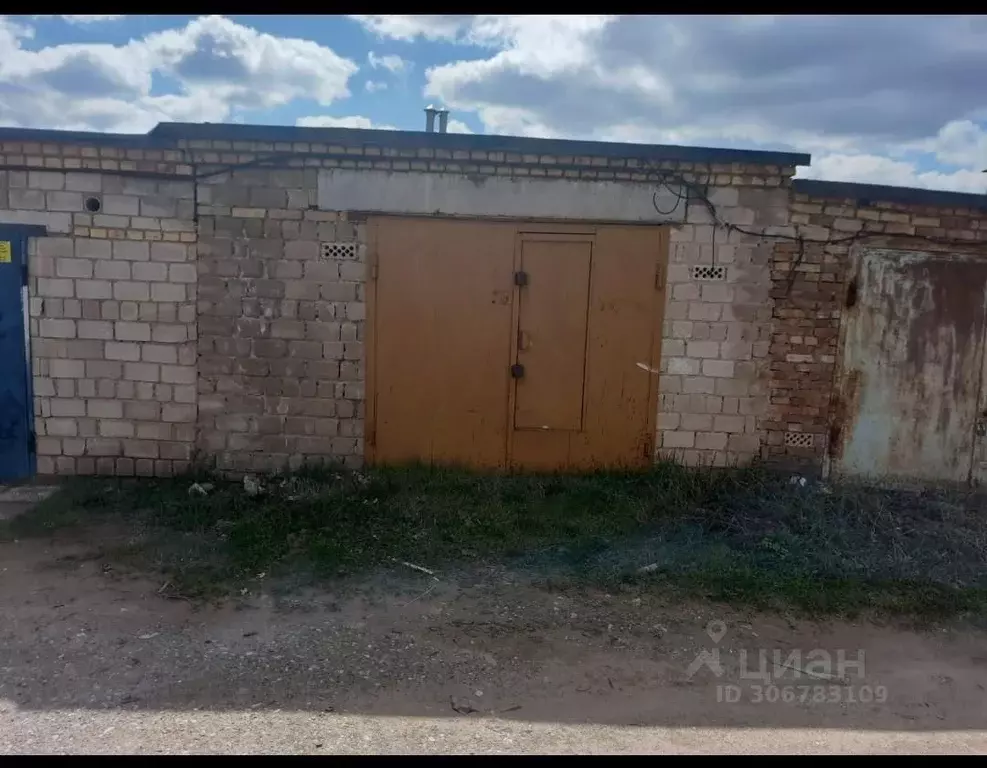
[409,193]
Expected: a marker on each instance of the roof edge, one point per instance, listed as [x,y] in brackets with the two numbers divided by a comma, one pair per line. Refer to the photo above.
[169,134]
[471,141]
[95,138]
[889,194]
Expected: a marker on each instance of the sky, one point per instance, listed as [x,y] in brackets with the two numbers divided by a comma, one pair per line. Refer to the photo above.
[881,99]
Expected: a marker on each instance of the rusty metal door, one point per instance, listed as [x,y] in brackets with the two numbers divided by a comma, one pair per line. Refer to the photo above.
[913,355]
[496,344]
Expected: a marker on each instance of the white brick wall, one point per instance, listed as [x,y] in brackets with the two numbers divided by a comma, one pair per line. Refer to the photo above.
[114,315]
[717,334]
[112,320]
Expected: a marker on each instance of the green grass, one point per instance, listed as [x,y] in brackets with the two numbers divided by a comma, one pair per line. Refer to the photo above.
[744,536]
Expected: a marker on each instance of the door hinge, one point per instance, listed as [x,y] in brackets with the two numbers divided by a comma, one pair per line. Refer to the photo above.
[374,271]
[372,437]
[520,278]
[660,277]
[24,274]
[32,443]
[647,449]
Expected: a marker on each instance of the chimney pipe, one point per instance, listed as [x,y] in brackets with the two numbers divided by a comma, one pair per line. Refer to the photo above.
[443,120]
[430,113]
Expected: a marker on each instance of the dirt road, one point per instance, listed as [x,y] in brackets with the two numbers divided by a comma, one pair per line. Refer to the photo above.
[96,661]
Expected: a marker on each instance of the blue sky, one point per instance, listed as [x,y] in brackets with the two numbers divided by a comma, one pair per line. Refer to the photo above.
[884,99]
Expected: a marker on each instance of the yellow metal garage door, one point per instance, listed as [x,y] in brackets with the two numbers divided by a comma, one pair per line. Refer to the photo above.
[509,345]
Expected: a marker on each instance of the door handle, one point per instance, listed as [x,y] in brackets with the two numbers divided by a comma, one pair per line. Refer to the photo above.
[980,427]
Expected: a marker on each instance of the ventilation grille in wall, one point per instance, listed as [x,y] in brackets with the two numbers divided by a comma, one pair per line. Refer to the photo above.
[798,439]
[338,251]
[708,272]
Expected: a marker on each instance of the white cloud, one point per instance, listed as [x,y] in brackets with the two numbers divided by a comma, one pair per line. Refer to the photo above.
[458,126]
[218,66]
[11,31]
[962,143]
[514,121]
[95,19]
[350,121]
[841,87]
[81,19]
[479,30]
[873,169]
[359,121]
[410,27]
[884,99]
[249,68]
[390,62]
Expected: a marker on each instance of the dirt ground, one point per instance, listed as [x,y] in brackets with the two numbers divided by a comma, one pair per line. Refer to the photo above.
[97,661]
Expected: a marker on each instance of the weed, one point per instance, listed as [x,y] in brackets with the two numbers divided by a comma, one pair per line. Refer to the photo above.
[740,535]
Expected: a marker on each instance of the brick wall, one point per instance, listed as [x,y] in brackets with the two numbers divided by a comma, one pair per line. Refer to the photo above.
[112,312]
[809,288]
[283,381]
[155,335]
[717,332]
[281,324]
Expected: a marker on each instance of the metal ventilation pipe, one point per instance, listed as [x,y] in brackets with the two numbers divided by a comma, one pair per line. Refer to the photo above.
[430,113]
[443,120]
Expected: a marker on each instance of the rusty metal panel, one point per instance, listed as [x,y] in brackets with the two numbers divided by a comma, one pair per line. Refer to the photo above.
[912,357]
[978,472]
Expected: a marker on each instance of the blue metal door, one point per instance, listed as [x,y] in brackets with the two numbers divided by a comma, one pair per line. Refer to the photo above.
[16,410]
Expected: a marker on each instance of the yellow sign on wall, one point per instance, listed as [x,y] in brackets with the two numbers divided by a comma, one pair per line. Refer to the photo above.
[5,252]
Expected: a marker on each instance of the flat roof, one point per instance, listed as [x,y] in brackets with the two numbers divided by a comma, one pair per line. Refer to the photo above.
[167,135]
[845,190]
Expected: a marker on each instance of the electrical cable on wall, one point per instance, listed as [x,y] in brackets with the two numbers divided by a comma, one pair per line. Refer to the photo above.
[676,185]
[686,191]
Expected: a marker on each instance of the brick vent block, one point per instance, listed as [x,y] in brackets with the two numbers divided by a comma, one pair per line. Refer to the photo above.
[338,251]
[708,272]
[798,439]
